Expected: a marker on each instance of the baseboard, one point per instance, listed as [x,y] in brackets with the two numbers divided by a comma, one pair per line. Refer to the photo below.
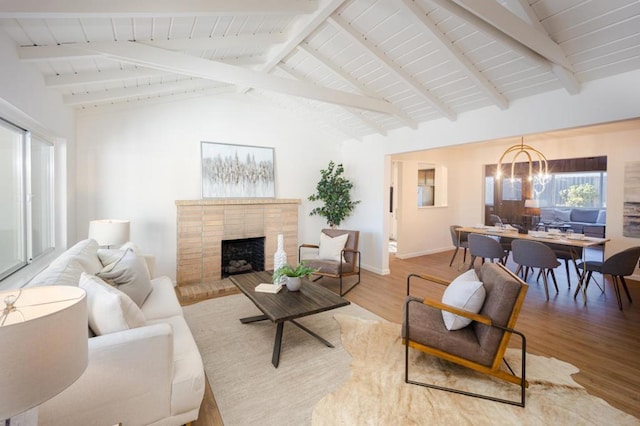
[375,270]
[422,253]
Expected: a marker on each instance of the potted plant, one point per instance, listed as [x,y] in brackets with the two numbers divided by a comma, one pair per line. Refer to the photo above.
[335,191]
[293,275]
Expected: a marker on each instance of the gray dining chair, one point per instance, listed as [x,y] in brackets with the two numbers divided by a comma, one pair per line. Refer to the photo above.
[533,254]
[486,247]
[459,241]
[568,254]
[619,265]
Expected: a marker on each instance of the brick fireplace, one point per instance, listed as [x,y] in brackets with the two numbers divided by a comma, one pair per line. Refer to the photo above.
[202,225]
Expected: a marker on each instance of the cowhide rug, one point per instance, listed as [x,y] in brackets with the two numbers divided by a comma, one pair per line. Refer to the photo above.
[376,393]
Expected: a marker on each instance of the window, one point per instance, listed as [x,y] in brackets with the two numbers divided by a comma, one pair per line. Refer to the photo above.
[512,189]
[26,197]
[488,190]
[579,189]
[432,185]
[426,187]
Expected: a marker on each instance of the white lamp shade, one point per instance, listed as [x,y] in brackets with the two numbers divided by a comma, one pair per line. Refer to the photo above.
[109,232]
[43,345]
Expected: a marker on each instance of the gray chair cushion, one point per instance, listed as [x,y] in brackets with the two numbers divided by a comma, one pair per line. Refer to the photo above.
[478,342]
[329,266]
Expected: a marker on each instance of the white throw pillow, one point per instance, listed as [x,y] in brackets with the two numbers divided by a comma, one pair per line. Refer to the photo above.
[465,292]
[331,248]
[110,310]
[130,275]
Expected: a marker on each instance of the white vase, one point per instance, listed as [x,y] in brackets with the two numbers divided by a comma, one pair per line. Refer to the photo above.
[294,283]
[280,256]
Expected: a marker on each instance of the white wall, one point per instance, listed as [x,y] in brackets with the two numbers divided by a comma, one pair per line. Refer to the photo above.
[600,101]
[25,101]
[135,163]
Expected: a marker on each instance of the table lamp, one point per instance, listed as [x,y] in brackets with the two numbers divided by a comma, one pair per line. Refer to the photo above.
[43,347]
[532,207]
[109,232]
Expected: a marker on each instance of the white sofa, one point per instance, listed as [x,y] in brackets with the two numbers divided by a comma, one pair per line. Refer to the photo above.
[151,374]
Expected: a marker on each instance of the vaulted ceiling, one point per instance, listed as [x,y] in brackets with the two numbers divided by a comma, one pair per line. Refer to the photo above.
[364,66]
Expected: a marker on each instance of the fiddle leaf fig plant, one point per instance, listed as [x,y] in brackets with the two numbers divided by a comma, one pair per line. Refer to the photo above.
[334,190]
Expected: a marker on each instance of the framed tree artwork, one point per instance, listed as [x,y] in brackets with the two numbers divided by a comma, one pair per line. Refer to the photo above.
[237,171]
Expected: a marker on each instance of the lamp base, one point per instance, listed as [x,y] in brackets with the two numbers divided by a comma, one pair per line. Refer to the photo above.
[28,418]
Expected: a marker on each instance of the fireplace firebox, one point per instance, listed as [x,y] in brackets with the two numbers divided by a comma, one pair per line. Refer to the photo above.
[243,255]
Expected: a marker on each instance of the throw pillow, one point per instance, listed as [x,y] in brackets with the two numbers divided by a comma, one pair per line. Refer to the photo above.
[130,275]
[465,292]
[109,309]
[331,248]
[109,258]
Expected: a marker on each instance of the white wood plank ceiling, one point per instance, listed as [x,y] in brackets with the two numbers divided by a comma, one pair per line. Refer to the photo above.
[361,66]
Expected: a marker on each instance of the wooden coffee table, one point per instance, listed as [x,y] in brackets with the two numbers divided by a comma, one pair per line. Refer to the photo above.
[286,305]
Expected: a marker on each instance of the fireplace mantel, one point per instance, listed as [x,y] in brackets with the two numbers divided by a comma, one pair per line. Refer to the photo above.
[203,224]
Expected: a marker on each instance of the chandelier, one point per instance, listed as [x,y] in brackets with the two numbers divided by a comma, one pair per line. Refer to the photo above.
[539,179]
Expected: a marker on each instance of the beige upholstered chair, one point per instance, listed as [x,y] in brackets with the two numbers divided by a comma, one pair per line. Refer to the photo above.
[348,265]
[481,345]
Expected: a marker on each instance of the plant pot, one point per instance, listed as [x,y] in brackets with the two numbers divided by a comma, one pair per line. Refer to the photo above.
[294,283]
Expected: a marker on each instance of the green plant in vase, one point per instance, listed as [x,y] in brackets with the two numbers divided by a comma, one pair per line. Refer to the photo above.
[293,275]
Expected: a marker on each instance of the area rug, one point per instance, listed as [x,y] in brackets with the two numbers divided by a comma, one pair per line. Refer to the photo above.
[237,360]
[376,394]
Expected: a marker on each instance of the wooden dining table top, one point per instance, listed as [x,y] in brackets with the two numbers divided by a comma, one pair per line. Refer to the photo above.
[543,237]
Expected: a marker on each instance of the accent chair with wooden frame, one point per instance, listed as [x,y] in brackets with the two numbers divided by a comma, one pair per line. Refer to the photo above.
[480,346]
[347,265]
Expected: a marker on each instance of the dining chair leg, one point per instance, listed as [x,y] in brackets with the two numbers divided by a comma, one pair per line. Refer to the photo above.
[614,278]
[454,256]
[546,286]
[518,269]
[626,289]
[566,267]
[473,259]
[553,277]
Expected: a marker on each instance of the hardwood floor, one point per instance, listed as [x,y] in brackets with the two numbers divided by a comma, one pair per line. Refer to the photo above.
[599,339]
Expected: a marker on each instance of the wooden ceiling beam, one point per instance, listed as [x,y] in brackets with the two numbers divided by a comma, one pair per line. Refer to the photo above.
[354,82]
[367,122]
[164,60]
[347,29]
[143,91]
[99,77]
[488,29]
[418,15]
[38,9]
[523,9]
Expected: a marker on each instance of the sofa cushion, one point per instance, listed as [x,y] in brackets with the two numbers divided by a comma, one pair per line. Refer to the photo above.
[64,270]
[584,215]
[465,292]
[162,301]
[563,215]
[602,217]
[130,275]
[331,248]
[110,310]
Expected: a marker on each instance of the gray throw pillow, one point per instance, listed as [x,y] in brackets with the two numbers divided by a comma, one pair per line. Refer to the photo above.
[129,275]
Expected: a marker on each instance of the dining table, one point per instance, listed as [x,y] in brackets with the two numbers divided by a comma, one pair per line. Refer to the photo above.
[562,238]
